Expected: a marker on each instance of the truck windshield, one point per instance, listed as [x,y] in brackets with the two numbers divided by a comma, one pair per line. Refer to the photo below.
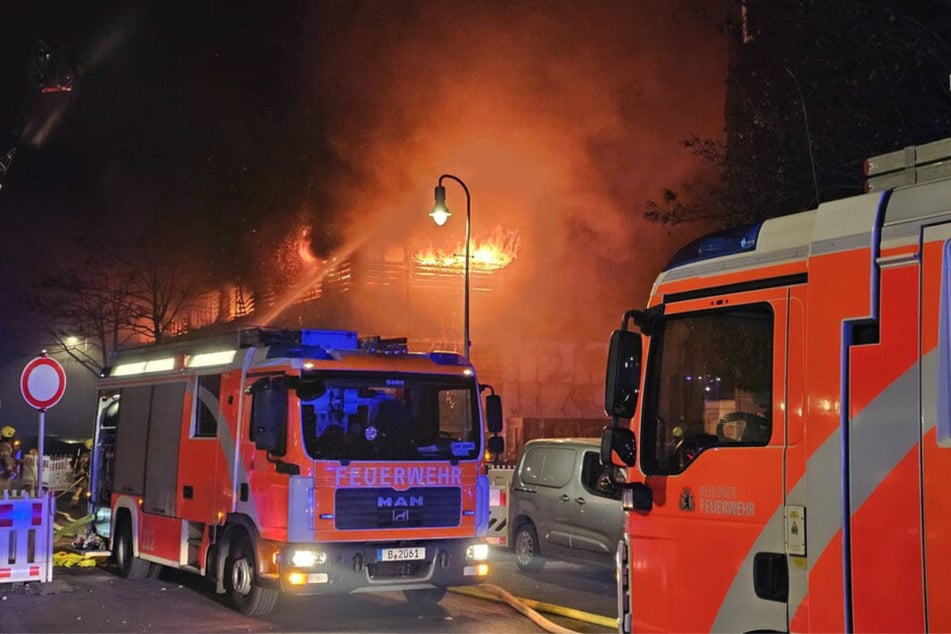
[390,417]
[709,384]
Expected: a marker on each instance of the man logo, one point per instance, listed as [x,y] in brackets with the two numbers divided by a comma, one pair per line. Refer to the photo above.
[401,515]
[398,501]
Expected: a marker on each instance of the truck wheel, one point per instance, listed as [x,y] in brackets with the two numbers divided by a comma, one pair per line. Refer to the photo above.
[427,596]
[129,566]
[527,555]
[246,594]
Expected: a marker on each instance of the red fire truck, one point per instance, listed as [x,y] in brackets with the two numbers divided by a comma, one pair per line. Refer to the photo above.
[303,462]
[789,386]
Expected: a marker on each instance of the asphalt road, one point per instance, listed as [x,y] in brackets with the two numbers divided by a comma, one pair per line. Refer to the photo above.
[583,587]
[95,600]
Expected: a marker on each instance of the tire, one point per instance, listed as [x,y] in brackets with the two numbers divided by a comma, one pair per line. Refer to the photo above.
[426,596]
[247,596]
[527,554]
[128,565]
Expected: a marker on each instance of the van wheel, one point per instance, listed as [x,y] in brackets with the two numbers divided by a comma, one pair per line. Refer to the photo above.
[128,565]
[241,581]
[427,596]
[527,554]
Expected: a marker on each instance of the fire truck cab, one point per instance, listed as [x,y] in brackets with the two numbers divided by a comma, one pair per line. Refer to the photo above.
[790,443]
[303,462]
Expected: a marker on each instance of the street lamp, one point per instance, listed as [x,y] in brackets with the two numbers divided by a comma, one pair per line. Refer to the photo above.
[440,214]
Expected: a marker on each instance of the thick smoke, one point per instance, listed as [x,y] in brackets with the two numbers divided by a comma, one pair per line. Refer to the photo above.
[562,118]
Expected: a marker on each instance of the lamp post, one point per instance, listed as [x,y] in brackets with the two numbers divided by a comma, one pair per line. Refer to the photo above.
[440,214]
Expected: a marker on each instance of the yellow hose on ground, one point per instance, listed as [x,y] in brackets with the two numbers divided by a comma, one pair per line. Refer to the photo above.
[531,608]
[68,560]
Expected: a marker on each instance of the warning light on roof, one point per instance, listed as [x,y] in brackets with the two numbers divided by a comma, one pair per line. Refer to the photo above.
[727,242]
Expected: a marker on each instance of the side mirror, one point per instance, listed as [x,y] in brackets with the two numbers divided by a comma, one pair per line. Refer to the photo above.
[622,384]
[620,441]
[493,413]
[495,445]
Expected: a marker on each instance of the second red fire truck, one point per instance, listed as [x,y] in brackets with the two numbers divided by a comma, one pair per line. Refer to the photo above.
[789,387]
[302,462]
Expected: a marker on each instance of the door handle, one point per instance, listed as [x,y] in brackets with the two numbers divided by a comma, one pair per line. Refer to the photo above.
[580,500]
[564,498]
[771,576]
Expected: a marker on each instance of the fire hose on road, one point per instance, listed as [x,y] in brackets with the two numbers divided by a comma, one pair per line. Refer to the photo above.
[531,608]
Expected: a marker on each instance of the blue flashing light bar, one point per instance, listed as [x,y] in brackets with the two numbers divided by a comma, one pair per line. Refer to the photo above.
[714,245]
[329,339]
[447,358]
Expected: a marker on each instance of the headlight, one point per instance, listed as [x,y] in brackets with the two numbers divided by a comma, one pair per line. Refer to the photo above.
[477,552]
[307,558]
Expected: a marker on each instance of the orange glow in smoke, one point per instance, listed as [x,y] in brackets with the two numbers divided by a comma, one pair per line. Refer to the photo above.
[492,254]
[304,249]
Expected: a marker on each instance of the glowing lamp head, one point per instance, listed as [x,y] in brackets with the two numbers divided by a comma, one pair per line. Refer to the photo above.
[440,213]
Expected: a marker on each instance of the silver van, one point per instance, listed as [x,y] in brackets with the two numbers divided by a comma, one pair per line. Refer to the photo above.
[562,504]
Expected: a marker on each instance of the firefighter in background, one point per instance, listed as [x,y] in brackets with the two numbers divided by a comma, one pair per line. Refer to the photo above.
[8,460]
[81,474]
[27,477]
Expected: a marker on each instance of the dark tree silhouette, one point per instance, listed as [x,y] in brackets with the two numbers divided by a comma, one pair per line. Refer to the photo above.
[814,88]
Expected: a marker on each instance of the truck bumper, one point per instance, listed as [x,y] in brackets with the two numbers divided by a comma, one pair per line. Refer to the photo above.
[358,567]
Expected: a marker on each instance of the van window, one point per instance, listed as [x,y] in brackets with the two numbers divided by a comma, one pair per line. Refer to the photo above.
[596,477]
[548,466]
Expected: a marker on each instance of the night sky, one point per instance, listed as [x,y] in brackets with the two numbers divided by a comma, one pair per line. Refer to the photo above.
[216,131]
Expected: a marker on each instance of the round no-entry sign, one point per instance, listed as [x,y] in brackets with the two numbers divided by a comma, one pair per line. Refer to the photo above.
[42,383]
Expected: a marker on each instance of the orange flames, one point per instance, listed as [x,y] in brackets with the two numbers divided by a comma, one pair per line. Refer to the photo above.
[304,249]
[492,254]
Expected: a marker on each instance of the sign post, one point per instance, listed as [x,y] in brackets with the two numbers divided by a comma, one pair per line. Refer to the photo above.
[42,384]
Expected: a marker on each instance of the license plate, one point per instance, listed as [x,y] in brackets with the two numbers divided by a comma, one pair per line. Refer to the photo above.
[401,554]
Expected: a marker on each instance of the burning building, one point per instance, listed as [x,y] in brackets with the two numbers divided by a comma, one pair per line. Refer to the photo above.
[550,387]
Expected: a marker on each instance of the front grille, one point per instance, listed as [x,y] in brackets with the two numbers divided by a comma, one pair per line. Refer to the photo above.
[397,569]
[382,507]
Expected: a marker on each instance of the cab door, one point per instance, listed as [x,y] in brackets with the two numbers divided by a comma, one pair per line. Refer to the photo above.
[710,554]
[201,450]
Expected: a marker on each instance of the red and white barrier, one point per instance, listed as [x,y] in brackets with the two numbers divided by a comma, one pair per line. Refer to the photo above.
[499,480]
[58,473]
[26,537]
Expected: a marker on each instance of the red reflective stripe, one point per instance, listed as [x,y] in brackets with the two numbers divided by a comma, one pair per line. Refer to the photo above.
[5,573]
[34,571]
[502,500]
[37,514]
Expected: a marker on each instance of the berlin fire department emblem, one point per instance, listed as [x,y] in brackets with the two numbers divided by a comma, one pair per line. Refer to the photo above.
[686,500]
